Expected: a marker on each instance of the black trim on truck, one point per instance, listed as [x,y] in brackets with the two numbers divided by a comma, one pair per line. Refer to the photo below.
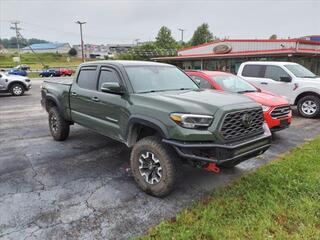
[222,153]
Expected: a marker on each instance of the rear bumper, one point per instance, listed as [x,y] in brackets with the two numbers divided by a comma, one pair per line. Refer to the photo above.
[223,153]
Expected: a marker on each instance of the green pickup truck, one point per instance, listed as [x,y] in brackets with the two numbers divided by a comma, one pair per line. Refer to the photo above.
[159,112]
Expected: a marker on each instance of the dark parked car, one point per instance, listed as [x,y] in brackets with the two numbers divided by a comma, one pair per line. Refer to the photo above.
[20,72]
[50,73]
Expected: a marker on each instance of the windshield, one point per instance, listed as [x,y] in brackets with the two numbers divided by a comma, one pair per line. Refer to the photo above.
[158,78]
[300,71]
[234,83]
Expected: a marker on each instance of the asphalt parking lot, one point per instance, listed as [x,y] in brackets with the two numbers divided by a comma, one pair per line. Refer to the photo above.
[82,188]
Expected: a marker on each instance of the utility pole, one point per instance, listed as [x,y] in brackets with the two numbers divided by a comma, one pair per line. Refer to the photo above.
[181,30]
[80,24]
[136,41]
[16,28]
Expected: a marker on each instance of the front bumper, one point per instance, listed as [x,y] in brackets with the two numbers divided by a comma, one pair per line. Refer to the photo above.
[277,124]
[222,153]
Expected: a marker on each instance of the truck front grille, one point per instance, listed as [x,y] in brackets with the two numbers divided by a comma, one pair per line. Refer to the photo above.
[280,112]
[242,123]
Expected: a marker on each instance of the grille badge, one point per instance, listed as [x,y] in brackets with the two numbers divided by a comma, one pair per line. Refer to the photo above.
[247,120]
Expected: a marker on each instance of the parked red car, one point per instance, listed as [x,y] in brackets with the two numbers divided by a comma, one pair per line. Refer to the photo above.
[276,109]
[66,72]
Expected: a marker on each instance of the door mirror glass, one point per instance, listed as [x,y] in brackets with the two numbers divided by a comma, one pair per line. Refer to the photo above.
[285,79]
[111,87]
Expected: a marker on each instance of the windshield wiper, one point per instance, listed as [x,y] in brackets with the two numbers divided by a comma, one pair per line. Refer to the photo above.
[246,91]
[315,76]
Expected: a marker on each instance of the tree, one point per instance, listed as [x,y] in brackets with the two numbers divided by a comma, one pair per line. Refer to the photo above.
[164,39]
[72,52]
[201,35]
[273,36]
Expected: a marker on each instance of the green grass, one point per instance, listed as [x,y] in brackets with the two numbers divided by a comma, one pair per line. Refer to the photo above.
[49,59]
[278,201]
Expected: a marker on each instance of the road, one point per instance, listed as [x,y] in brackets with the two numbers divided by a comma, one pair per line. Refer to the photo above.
[82,188]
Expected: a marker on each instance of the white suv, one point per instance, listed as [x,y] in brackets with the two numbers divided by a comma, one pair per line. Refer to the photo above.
[300,86]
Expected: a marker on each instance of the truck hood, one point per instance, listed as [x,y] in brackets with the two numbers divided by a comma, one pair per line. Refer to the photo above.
[267,99]
[309,80]
[201,101]
[15,77]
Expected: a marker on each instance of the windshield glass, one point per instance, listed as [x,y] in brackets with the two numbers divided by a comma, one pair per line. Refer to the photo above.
[234,83]
[158,78]
[300,71]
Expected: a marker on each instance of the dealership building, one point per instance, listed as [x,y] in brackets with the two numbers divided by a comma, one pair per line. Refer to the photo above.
[228,54]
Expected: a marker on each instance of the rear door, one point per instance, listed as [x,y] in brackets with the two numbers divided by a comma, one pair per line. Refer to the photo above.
[82,92]
[254,73]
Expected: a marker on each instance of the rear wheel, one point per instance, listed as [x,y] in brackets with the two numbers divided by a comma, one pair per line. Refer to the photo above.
[17,89]
[154,166]
[59,127]
[309,106]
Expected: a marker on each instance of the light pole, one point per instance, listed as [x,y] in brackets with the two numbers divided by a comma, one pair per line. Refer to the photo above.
[181,30]
[80,24]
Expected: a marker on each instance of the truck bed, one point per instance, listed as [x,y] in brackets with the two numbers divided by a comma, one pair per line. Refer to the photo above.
[64,81]
[59,90]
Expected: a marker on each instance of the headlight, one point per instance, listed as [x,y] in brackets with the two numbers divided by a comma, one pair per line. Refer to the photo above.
[265,108]
[192,120]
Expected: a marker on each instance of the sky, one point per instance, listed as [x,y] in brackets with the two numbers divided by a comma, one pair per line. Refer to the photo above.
[123,21]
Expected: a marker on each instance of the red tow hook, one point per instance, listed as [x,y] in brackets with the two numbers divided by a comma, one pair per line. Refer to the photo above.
[212,167]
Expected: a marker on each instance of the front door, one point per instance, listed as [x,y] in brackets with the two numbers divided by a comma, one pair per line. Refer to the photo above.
[2,82]
[272,81]
[110,107]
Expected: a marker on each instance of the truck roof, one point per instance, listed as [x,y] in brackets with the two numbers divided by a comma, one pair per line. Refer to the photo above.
[125,63]
[269,62]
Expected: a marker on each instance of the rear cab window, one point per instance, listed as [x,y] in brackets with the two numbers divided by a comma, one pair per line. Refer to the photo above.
[87,78]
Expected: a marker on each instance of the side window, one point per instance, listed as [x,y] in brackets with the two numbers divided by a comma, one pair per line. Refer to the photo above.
[87,78]
[203,83]
[107,75]
[253,71]
[275,73]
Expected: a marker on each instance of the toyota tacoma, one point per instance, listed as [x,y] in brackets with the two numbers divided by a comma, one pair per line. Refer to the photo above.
[162,114]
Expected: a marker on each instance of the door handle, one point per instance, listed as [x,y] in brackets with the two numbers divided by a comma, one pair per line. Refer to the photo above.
[264,83]
[95,99]
[74,94]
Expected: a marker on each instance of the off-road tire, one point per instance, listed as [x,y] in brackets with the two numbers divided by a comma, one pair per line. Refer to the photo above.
[306,99]
[59,127]
[168,160]
[17,89]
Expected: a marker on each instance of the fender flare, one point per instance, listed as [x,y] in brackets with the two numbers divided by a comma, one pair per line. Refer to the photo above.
[54,99]
[147,121]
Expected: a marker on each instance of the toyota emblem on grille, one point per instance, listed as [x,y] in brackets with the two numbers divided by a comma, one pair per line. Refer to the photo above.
[247,120]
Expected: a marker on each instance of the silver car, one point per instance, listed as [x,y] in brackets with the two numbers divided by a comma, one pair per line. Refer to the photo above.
[14,84]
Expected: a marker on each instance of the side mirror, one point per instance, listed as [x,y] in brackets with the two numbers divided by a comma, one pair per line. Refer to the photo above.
[285,79]
[111,87]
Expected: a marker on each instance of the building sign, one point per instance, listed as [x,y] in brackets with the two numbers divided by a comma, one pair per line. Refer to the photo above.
[222,48]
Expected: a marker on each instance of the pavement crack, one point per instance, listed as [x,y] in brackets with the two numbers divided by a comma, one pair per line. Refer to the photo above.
[35,175]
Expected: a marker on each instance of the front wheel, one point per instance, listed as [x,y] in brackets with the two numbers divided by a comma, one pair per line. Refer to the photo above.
[154,166]
[17,90]
[309,106]
[59,127]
